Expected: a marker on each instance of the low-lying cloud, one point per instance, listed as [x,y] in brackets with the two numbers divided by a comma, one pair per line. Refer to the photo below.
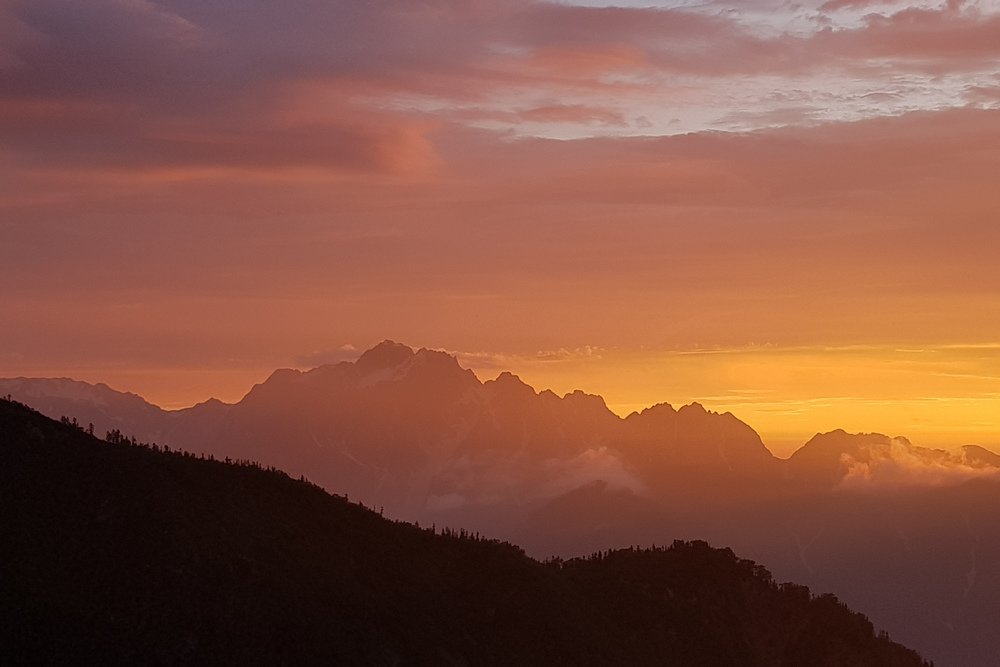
[900,464]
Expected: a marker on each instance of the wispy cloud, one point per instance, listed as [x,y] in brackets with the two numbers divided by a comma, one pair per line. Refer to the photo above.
[349,86]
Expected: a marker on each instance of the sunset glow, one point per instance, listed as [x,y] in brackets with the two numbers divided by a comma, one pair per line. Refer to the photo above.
[783,211]
[500,332]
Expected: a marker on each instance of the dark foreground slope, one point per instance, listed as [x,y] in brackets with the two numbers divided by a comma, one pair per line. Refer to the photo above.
[114,553]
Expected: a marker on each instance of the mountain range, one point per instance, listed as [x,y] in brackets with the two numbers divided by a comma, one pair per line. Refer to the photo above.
[905,533]
[121,553]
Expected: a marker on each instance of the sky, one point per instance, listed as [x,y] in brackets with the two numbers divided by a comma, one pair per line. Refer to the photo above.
[783,209]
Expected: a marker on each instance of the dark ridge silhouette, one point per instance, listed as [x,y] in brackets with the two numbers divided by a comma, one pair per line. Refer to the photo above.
[115,552]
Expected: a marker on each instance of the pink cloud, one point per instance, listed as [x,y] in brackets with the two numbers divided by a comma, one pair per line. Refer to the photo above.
[180,84]
[836,5]
[937,40]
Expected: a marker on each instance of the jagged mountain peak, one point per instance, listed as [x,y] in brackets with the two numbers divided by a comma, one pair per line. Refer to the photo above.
[580,396]
[662,410]
[509,384]
[665,413]
[390,360]
[507,377]
[439,358]
[386,355]
[837,439]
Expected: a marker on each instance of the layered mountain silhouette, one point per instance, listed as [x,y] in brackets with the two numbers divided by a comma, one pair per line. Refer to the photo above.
[118,553]
[906,534]
[413,431]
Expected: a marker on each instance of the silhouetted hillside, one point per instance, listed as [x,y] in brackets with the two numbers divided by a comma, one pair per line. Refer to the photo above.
[116,553]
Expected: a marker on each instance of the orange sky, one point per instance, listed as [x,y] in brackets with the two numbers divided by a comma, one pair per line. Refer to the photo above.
[784,211]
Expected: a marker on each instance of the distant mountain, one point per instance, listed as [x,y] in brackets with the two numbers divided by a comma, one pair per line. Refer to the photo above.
[695,452]
[119,554]
[826,458]
[95,404]
[414,432]
[979,457]
[841,459]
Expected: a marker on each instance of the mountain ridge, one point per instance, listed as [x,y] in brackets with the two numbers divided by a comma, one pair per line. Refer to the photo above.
[395,393]
[166,558]
[387,355]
